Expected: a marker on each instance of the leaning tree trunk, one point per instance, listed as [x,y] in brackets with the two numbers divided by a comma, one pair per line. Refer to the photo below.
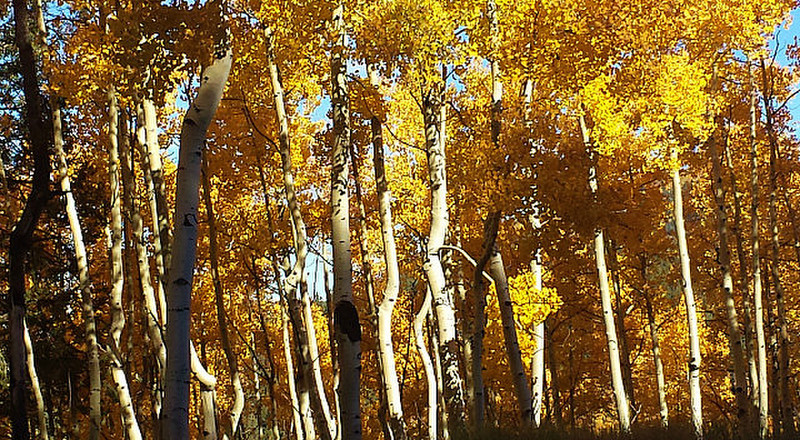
[84,283]
[427,362]
[346,324]
[143,264]
[696,404]
[181,272]
[432,108]
[513,353]
[478,293]
[21,237]
[663,411]
[222,319]
[392,289]
[734,336]
[154,177]
[41,415]
[117,279]
[621,399]
[785,398]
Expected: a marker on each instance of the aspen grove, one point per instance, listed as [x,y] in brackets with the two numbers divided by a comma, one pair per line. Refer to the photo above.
[399,219]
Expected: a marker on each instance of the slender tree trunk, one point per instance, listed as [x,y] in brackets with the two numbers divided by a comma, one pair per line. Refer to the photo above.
[478,294]
[154,178]
[117,280]
[539,336]
[621,398]
[555,410]
[392,289]
[21,237]
[427,362]
[227,348]
[181,272]
[734,336]
[619,313]
[143,265]
[659,366]
[786,411]
[446,324]
[296,275]
[513,352]
[41,415]
[84,283]
[688,297]
[290,375]
[750,348]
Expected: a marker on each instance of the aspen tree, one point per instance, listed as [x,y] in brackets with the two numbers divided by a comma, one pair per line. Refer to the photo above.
[392,289]
[787,426]
[295,277]
[84,283]
[21,237]
[230,356]
[688,297]
[655,346]
[432,108]
[346,324]
[181,272]
[621,399]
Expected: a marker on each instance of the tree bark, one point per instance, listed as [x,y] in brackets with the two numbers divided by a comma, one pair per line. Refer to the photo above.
[552,364]
[513,352]
[621,398]
[427,362]
[154,177]
[41,415]
[392,290]
[84,283]
[347,327]
[432,108]
[689,301]
[478,293]
[750,348]
[181,272]
[21,237]
[227,348]
[619,313]
[117,279]
[786,411]
[539,336]
[659,366]
[734,336]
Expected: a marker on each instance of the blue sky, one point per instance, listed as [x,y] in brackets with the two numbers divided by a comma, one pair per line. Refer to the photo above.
[784,37]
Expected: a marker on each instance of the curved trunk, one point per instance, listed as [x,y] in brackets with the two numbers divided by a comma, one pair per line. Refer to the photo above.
[427,362]
[392,290]
[181,272]
[21,237]
[433,112]
[41,415]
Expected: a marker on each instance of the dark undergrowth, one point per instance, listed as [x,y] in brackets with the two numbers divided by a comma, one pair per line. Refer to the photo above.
[674,432]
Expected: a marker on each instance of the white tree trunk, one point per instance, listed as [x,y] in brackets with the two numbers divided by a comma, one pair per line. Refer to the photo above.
[392,290]
[663,408]
[446,321]
[84,283]
[691,307]
[154,178]
[427,362]
[513,352]
[41,415]
[734,334]
[181,272]
[117,281]
[346,323]
[621,398]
